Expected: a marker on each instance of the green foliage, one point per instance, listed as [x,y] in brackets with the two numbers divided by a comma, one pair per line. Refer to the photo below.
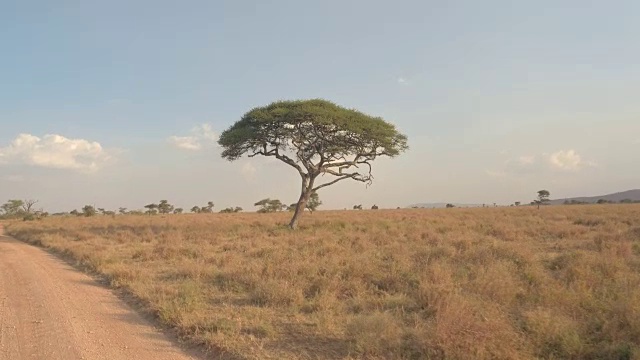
[315,137]
[178,211]
[450,206]
[164,207]
[88,211]
[230,210]
[208,209]
[152,209]
[543,198]
[311,127]
[314,202]
[357,207]
[12,209]
[269,206]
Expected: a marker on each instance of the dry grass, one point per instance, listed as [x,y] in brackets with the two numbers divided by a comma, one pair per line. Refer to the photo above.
[513,283]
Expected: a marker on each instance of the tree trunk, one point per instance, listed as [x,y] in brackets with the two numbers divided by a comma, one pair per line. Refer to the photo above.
[305,194]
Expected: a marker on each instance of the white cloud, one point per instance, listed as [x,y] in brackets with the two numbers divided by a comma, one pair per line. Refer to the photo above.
[55,151]
[565,160]
[568,160]
[402,81]
[201,136]
[185,142]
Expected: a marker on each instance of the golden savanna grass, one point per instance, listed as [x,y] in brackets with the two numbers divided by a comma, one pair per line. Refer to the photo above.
[562,282]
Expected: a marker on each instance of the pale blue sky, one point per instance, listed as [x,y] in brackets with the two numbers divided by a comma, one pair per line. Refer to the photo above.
[499,98]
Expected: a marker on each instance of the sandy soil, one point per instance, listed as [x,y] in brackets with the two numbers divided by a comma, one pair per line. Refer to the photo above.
[48,310]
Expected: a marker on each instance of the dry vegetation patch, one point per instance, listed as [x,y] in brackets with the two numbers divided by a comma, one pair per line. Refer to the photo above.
[506,283]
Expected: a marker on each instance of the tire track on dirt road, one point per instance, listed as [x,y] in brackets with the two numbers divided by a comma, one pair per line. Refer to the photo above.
[48,310]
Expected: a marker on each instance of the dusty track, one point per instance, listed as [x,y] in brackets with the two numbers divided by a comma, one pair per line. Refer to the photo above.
[48,310]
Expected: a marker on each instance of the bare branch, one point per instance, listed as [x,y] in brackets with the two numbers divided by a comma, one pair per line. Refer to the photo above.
[349,176]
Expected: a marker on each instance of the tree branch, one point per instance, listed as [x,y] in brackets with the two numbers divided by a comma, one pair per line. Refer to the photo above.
[349,176]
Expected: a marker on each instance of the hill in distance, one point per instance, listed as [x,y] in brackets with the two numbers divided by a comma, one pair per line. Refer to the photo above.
[633,195]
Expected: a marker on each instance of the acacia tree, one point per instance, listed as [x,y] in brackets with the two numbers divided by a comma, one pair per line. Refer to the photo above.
[164,207]
[268,206]
[316,138]
[543,198]
[12,208]
[152,209]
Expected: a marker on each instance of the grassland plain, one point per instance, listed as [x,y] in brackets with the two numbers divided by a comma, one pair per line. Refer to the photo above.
[562,282]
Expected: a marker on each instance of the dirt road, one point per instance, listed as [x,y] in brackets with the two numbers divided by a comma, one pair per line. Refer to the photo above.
[48,310]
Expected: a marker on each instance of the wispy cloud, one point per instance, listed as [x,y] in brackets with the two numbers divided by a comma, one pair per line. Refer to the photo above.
[185,142]
[55,151]
[402,81]
[201,136]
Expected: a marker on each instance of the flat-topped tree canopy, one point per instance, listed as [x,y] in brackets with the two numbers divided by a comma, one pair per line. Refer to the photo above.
[316,137]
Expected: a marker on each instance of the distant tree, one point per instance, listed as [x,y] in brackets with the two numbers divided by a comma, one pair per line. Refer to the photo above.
[314,202]
[602,201]
[543,198]
[357,207]
[374,207]
[152,209]
[292,207]
[12,208]
[75,212]
[136,212]
[122,210]
[178,210]
[230,210]
[196,209]
[626,201]
[315,137]
[517,203]
[101,211]
[27,205]
[164,207]
[88,211]
[208,209]
[268,205]
[450,206]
